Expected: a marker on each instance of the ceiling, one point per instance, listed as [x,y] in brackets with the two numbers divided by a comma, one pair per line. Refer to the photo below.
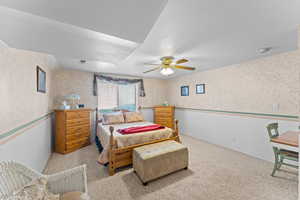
[120,36]
[128,19]
[26,31]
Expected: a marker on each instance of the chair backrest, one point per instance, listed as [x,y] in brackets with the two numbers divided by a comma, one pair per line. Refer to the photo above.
[273,130]
[14,176]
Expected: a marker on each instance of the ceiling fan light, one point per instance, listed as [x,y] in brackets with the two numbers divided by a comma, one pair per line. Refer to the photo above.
[166,71]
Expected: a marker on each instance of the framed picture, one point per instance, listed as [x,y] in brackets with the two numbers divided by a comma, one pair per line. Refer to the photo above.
[184,90]
[41,80]
[200,89]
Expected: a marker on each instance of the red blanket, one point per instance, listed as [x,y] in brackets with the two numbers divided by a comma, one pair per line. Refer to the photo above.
[139,129]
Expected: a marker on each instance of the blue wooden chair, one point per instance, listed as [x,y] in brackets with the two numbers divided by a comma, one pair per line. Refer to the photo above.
[280,154]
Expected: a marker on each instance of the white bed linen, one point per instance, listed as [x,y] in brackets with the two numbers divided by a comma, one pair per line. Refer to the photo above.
[120,140]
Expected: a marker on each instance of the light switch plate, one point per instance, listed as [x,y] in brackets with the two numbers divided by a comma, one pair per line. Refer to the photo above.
[275,107]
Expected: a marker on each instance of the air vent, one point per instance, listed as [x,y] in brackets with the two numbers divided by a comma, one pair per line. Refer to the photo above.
[265,50]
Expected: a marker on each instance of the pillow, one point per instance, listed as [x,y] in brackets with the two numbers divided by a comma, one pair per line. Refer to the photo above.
[133,117]
[36,190]
[101,114]
[113,118]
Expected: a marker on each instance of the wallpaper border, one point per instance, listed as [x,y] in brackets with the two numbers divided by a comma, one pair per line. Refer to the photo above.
[239,113]
[16,130]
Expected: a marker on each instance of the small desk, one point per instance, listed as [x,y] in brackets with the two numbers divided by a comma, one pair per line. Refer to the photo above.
[288,140]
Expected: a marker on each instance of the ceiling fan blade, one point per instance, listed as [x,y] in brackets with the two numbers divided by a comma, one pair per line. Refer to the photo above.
[151,64]
[183,67]
[156,68]
[183,60]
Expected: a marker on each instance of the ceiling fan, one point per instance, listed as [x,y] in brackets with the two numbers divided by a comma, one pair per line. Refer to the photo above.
[167,65]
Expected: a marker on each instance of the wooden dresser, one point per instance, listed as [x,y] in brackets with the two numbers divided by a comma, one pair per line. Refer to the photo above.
[73,129]
[164,115]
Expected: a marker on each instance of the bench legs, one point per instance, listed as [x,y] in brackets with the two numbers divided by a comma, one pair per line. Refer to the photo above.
[144,183]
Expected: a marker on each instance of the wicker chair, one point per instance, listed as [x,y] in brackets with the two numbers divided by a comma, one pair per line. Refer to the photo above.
[14,176]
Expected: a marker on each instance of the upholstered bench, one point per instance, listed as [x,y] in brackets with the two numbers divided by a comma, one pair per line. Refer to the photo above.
[156,160]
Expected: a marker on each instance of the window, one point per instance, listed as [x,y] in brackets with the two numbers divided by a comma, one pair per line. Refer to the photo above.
[108,96]
[113,96]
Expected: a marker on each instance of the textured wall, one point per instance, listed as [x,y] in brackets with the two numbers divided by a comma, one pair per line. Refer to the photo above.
[32,147]
[240,133]
[252,86]
[72,81]
[20,101]
[156,92]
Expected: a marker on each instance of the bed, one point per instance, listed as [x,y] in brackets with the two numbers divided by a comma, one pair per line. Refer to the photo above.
[117,148]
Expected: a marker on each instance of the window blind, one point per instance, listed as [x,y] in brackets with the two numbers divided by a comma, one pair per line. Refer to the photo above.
[108,96]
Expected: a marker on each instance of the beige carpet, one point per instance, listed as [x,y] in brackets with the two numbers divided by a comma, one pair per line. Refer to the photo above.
[215,173]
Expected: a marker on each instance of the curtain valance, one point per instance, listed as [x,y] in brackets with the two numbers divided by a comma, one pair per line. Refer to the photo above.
[122,81]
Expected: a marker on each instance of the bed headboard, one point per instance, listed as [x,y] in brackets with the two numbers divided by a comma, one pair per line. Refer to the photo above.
[99,117]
